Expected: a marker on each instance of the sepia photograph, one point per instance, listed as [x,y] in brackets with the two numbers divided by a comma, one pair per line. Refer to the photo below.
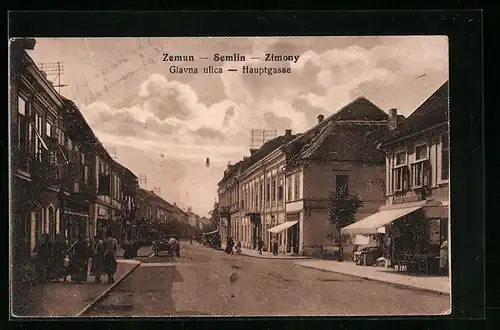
[229,176]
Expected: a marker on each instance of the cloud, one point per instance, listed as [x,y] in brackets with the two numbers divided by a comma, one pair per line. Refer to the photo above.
[191,117]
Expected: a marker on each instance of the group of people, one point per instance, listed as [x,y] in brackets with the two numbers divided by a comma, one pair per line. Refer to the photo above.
[230,245]
[101,250]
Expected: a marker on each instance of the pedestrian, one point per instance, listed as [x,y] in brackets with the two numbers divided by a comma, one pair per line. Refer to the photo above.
[110,245]
[260,245]
[238,247]
[78,265]
[60,251]
[44,252]
[274,242]
[443,256]
[231,249]
[97,267]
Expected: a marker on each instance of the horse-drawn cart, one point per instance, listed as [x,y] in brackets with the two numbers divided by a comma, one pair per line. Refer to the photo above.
[171,246]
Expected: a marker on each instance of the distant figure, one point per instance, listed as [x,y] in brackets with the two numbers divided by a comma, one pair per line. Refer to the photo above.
[97,267]
[260,245]
[274,242]
[238,248]
[78,265]
[443,256]
[110,245]
[60,251]
[44,252]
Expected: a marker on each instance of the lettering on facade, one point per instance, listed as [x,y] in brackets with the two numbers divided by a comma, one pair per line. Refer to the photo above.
[406,199]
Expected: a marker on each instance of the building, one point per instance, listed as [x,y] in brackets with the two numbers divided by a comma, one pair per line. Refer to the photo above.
[130,189]
[35,115]
[62,179]
[339,152]
[193,218]
[282,189]
[153,208]
[251,197]
[415,215]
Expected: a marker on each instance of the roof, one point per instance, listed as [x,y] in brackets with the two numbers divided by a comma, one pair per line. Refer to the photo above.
[151,194]
[351,134]
[340,141]
[262,152]
[432,112]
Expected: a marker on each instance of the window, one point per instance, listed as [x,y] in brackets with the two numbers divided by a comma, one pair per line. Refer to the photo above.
[268,192]
[273,193]
[297,186]
[280,190]
[399,172]
[418,168]
[48,129]
[445,156]
[401,158]
[399,177]
[341,183]
[289,188]
[22,123]
[86,175]
[38,143]
[261,194]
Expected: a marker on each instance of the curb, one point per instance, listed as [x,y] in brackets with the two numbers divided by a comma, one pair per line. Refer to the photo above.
[275,257]
[397,285]
[105,293]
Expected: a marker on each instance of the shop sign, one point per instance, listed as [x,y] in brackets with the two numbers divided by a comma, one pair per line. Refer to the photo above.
[434,232]
[406,199]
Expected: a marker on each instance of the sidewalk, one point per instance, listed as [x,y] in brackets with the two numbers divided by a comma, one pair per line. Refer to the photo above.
[62,299]
[265,254]
[144,251]
[435,284]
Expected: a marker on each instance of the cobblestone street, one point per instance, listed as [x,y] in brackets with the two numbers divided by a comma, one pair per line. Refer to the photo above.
[198,283]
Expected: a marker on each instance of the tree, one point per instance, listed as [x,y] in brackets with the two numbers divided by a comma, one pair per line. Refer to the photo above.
[342,208]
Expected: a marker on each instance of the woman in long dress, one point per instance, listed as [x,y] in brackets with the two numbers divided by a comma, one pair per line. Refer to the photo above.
[110,245]
[97,267]
[60,251]
[78,264]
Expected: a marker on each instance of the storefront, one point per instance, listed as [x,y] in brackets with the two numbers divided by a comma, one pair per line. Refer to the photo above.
[293,233]
[410,231]
[285,234]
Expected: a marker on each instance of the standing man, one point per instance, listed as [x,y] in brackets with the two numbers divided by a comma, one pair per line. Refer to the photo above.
[260,245]
[274,241]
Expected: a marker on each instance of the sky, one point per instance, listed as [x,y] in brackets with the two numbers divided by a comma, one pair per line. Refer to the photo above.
[165,125]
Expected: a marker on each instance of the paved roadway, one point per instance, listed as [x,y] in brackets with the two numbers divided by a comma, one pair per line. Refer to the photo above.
[198,283]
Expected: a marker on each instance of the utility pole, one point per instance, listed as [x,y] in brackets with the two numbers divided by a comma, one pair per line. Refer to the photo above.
[55,70]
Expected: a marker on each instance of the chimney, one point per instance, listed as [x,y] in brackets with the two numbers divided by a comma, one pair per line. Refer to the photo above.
[253,150]
[393,119]
[320,118]
[288,132]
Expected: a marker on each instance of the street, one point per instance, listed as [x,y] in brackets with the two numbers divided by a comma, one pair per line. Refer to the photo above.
[198,283]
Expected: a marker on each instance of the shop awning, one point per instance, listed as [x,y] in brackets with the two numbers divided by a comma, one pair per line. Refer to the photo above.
[361,240]
[281,227]
[372,223]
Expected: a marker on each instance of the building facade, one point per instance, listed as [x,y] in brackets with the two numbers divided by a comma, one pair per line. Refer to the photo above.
[415,216]
[339,152]
[281,191]
[63,181]
[36,182]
